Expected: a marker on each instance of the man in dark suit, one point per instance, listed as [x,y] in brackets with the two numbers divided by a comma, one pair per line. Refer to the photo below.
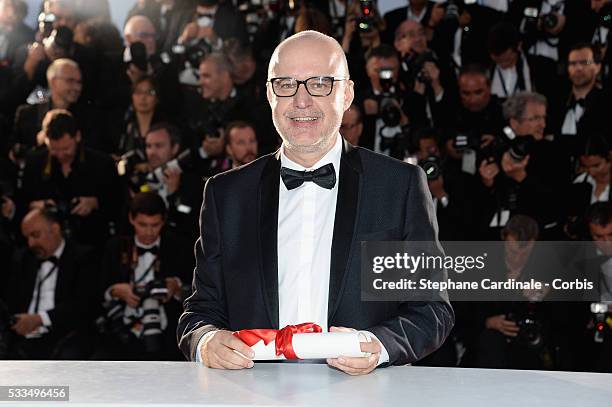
[274,253]
[144,323]
[49,292]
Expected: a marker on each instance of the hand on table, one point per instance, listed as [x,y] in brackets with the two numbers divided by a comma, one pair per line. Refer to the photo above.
[356,366]
[218,352]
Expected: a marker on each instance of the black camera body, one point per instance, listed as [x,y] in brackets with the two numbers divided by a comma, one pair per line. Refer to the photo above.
[155,289]
[531,332]
[412,69]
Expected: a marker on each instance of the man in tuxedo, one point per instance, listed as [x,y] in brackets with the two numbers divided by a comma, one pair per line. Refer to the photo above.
[49,292]
[141,323]
[280,236]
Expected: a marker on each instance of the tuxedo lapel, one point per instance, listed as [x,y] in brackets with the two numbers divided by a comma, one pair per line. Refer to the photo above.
[268,235]
[344,223]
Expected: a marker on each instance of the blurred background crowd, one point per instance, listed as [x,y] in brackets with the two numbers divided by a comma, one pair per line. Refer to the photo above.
[108,134]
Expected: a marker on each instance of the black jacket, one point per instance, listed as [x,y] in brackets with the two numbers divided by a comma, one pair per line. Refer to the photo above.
[236,277]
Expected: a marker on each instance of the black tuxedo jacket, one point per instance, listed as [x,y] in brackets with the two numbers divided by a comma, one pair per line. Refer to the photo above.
[73,291]
[236,277]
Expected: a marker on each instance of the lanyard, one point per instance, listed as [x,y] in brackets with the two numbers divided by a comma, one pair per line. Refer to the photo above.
[39,286]
[146,273]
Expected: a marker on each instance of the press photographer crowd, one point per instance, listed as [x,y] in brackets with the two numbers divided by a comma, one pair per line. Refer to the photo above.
[108,134]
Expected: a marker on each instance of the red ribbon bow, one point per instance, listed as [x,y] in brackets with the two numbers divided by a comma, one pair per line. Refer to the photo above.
[283,337]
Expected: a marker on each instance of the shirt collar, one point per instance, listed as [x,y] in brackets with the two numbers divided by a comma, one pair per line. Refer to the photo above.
[146,246]
[332,156]
[60,250]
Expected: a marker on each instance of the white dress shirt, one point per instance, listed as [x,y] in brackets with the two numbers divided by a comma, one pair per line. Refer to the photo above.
[586,177]
[548,48]
[505,81]
[572,117]
[143,274]
[47,292]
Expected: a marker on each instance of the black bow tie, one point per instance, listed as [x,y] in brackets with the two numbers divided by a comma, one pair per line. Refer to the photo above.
[52,259]
[142,250]
[578,102]
[324,177]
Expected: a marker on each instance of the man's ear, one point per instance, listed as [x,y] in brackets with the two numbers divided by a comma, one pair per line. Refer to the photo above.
[175,149]
[269,93]
[513,123]
[78,136]
[131,219]
[349,94]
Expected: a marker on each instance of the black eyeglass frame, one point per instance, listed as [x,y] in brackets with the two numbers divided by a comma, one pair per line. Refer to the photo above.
[331,89]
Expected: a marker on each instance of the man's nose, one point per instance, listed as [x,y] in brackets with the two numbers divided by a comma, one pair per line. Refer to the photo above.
[302,98]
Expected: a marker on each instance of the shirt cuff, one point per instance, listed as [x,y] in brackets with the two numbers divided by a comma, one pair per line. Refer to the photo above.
[439,96]
[201,342]
[46,321]
[384,355]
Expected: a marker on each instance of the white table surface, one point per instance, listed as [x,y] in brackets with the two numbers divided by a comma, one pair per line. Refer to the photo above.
[182,384]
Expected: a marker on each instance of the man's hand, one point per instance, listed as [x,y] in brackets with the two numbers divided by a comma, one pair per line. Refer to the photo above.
[513,169]
[36,53]
[432,72]
[26,323]
[86,205]
[356,366]
[189,33]
[125,293]
[174,287]
[436,187]
[172,179]
[135,73]
[501,324]
[40,204]
[488,172]
[214,146]
[218,352]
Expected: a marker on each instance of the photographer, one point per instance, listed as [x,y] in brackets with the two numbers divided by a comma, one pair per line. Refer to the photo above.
[420,68]
[451,191]
[426,12]
[142,58]
[511,71]
[169,174]
[584,110]
[80,183]
[525,334]
[208,112]
[215,21]
[49,292]
[390,109]
[143,112]
[65,86]
[541,23]
[54,40]
[143,277]
[473,128]
[528,174]
[14,33]
[362,33]
[169,17]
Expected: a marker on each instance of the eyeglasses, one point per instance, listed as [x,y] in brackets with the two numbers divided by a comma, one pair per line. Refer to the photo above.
[581,62]
[316,86]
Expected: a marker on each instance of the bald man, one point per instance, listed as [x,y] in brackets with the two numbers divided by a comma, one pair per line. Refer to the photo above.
[50,291]
[279,247]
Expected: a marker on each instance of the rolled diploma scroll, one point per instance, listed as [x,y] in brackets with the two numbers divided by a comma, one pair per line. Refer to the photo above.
[317,346]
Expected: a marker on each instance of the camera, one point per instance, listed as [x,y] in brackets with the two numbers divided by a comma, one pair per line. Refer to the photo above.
[62,211]
[155,289]
[365,21]
[412,69]
[531,333]
[602,321]
[45,23]
[519,146]
[605,16]
[432,166]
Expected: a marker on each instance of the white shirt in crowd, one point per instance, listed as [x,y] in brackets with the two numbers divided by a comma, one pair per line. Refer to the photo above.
[505,81]
[47,291]
[586,177]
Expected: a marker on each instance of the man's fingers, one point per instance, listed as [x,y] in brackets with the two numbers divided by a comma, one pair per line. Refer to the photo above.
[228,355]
[370,347]
[348,369]
[359,363]
[341,329]
[236,344]
[217,362]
